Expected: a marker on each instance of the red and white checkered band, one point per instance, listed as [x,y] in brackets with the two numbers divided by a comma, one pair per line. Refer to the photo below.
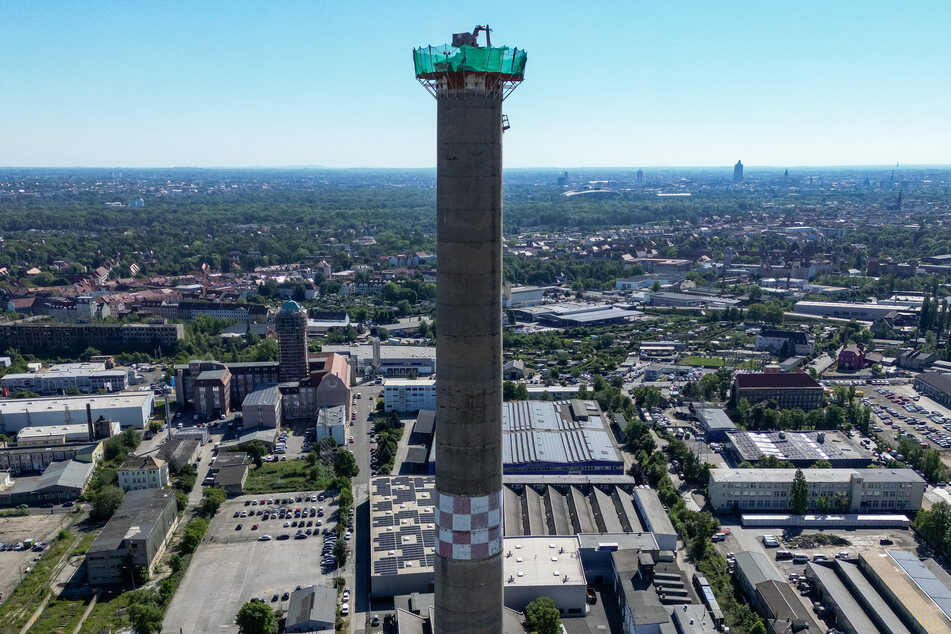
[468,528]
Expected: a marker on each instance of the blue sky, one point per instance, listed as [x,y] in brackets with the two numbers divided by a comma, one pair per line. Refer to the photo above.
[607,83]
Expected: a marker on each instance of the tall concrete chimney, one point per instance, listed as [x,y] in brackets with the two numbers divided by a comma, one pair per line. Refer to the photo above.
[92,432]
[469,82]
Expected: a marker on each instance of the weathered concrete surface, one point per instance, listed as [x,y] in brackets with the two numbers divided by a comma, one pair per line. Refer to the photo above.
[469,345]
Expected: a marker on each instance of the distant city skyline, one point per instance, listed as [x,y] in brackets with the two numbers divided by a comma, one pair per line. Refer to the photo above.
[622,85]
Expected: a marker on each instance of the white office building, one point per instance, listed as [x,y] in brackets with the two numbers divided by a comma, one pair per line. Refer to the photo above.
[846,490]
[409,395]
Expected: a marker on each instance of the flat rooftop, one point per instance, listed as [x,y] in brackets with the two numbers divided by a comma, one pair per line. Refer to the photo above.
[542,561]
[797,446]
[813,475]
[46,431]
[135,517]
[402,524]
[424,383]
[77,404]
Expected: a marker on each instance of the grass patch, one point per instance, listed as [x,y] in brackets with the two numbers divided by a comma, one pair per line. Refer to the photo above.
[27,596]
[60,616]
[715,362]
[109,613]
[293,475]
[14,512]
[84,545]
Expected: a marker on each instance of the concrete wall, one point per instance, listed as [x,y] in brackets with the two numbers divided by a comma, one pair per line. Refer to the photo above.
[468,449]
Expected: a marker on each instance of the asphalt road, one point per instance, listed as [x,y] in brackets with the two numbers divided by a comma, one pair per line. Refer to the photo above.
[358,574]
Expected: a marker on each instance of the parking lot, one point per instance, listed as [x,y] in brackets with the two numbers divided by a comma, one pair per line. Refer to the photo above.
[13,530]
[895,411]
[232,566]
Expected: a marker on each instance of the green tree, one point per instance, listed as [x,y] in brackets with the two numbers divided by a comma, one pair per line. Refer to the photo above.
[146,618]
[340,552]
[193,534]
[543,616]
[181,500]
[256,618]
[256,450]
[821,464]
[799,494]
[345,464]
[106,501]
[211,500]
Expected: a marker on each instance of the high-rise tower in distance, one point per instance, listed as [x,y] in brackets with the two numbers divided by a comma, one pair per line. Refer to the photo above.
[738,172]
[469,83]
[291,326]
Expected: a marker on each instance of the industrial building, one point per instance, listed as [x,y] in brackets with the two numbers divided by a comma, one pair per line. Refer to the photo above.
[312,609]
[716,424]
[179,452]
[790,390]
[894,592]
[402,535]
[143,472]
[537,566]
[51,435]
[596,510]
[772,597]
[375,359]
[935,386]
[409,395]
[654,594]
[775,340]
[86,377]
[571,314]
[541,437]
[848,310]
[35,459]
[61,482]
[582,505]
[654,517]
[518,296]
[262,408]
[801,448]
[128,409]
[845,490]
[141,527]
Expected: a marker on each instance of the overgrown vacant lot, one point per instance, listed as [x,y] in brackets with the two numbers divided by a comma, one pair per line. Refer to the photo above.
[293,475]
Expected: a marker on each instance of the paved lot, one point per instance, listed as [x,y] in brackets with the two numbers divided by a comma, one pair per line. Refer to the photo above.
[231,567]
[41,527]
[864,541]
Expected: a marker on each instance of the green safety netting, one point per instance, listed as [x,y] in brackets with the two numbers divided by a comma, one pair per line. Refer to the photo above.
[442,59]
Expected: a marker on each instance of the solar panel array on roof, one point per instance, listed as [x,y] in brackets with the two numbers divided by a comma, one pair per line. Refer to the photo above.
[403,533]
[806,446]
